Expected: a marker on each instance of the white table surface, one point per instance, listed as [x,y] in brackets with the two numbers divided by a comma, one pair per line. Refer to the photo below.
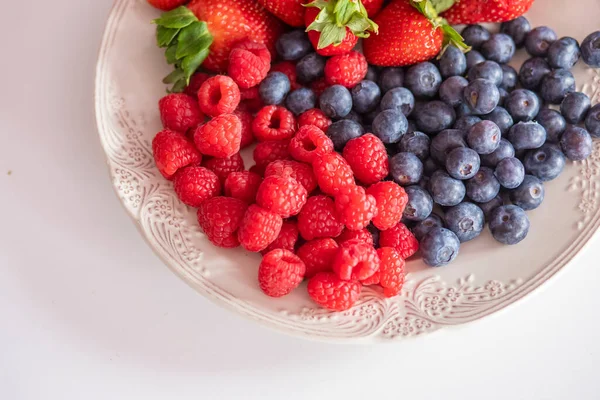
[88,311]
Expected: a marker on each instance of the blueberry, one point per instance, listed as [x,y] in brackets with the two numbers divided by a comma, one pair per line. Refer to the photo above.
[390,78]
[553,122]
[466,220]
[435,116]
[412,126]
[389,126]
[481,96]
[300,100]
[274,88]
[526,135]
[484,137]
[484,186]
[462,163]
[590,49]
[538,40]
[503,95]
[430,166]
[473,58]
[445,190]
[446,141]
[406,168]
[563,53]
[509,224]
[517,29]
[545,163]
[501,118]
[423,79]
[500,48]
[576,143]
[439,247]
[575,107]
[336,101]
[522,105]
[452,62]
[293,45]
[490,70]
[556,85]
[400,99]
[466,122]
[510,172]
[532,72]
[463,110]
[340,132]
[372,73]
[475,35]
[505,149]
[365,96]
[451,90]
[420,204]
[490,206]
[354,116]
[529,194]
[415,142]
[369,117]
[509,77]
[310,68]
[592,121]
[422,228]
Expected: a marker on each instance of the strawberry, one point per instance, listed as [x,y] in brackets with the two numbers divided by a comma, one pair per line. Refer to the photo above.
[289,11]
[409,32]
[476,11]
[166,5]
[334,26]
[204,33]
[372,6]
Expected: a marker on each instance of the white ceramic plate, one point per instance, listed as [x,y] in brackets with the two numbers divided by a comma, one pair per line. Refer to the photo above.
[486,276]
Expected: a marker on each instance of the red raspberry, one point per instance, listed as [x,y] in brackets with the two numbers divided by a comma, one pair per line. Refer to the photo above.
[367,158]
[363,236]
[249,63]
[219,137]
[355,261]
[318,219]
[373,279]
[179,112]
[400,238]
[255,169]
[243,185]
[318,255]
[259,228]
[346,69]
[224,166]
[355,207]
[315,117]
[273,123]
[301,172]
[267,152]
[333,173]
[250,100]
[318,86]
[391,271]
[282,195]
[172,151]
[288,68]
[329,291]
[194,185]
[195,82]
[288,236]
[167,5]
[218,95]
[310,142]
[220,218]
[391,200]
[280,272]
[246,119]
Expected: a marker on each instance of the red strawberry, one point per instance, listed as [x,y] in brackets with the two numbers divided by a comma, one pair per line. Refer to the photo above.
[204,32]
[166,5]
[476,11]
[329,27]
[372,6]
[289,11]
[409,32]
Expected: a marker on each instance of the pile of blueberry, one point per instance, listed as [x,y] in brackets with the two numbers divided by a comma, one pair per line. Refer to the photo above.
[469,138]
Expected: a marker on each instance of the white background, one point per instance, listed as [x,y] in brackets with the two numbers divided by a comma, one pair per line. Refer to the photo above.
[88,312]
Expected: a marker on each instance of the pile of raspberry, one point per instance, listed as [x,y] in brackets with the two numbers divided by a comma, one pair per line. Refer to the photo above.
[311,212]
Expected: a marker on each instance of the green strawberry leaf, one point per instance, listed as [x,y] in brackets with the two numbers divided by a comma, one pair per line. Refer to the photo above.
[174,76]
[193,39]
[171,54]
[442,5]
[331,34]
[337,15]
[177,18]
[164,36]
[191,63]
[358,25]
[451,36]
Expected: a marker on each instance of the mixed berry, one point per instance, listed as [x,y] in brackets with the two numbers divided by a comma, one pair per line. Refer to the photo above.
[364,159]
